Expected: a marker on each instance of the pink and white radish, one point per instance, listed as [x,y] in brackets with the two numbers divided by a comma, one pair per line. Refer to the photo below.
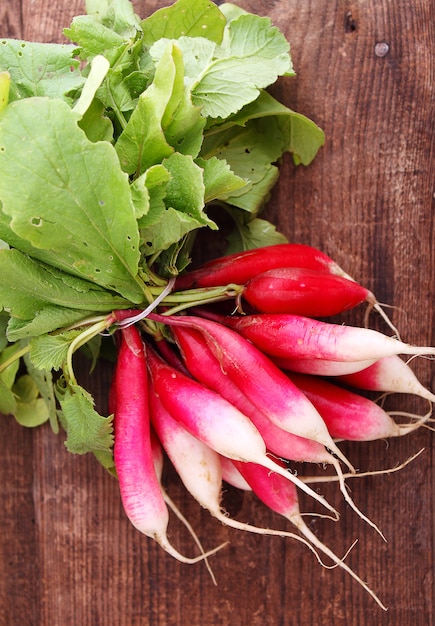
[200,468]
[206,368]
[140,490]
[262,382]
[213,420]
[349,415]
[299,337]
[389,375]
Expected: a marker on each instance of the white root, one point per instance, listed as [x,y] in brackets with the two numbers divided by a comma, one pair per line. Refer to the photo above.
[171,504]
[334,478]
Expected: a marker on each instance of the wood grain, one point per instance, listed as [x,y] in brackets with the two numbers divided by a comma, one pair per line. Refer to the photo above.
[70,558]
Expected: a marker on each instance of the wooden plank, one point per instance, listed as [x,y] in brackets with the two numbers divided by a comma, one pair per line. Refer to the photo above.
[69,555]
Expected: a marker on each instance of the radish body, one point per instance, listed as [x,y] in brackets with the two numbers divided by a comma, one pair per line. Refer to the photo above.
[347,415]
[205,367]
[243,266]
[264,384]
[321,367]
[213,420]
[199,467]
[141,494]
[232,476]
[304,292]
[391,375]
[298,337]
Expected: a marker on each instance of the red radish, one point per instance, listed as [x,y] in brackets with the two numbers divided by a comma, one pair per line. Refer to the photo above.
[298,337]
[265,385]
[139,486]
[232,476]
[321,367]
[347,415]
[200,468]
[304,292]
[242,266]
[282,499]
[212,419]
[205,367]
[391,375]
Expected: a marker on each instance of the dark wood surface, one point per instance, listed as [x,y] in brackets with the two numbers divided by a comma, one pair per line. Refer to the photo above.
[68,555]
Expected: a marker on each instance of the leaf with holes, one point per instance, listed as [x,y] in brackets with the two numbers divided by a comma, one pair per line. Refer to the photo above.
[40,69]
[74,210]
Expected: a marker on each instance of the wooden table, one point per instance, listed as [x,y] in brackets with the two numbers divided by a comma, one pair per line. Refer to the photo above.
[68,555]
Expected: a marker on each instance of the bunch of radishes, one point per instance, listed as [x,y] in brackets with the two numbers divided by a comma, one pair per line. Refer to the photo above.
[237,397]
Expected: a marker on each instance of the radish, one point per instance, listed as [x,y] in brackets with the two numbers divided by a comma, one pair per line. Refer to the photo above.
[299,337]
[307,292]
[265,385]
[212,419]
[200,468]
[140,490]
[348,415]
[282,498]
[389,374]
[232,476]
[243,266]
[206,368]
[321,367]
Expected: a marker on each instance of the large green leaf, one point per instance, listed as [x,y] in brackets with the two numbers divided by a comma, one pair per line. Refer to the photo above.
[74,209]
[252,57]
[40,69]
[28,286]
[190,18]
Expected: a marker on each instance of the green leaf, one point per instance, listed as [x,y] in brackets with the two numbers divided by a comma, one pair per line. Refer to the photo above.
[74,210]
[95,123]
[251,152]
[94,38]
[7,375]
[190,18]
[40,69]
[46,320]
[43,379]
[86,430]
[183,209]
[8,402]
[252,233]
[155,181]
[27,286]
[97,73]
[219,180]
[254,54]
[143,143]
[117,15]
[5,82]
[31,411]
[48,352]
[4,319]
